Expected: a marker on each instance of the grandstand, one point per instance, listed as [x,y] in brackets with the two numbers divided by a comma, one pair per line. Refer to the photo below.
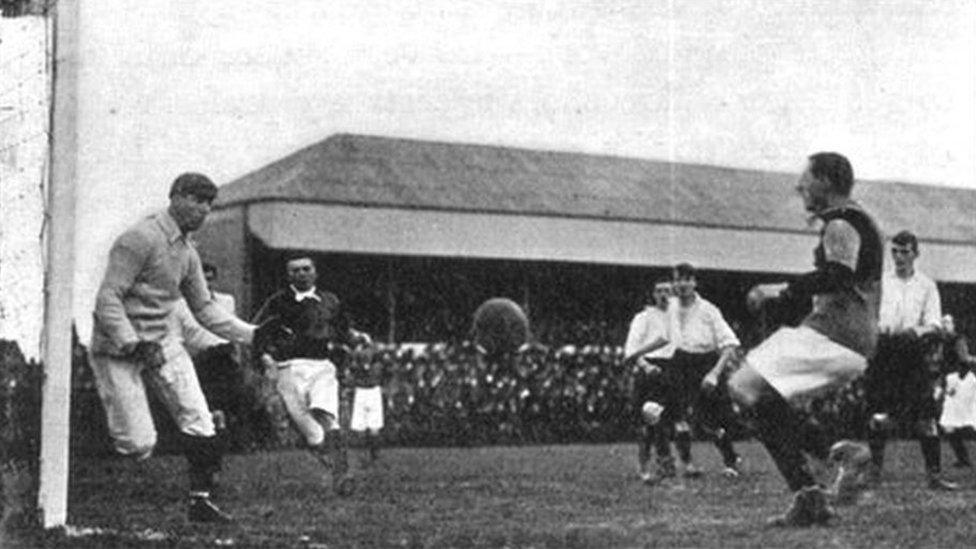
[413,234]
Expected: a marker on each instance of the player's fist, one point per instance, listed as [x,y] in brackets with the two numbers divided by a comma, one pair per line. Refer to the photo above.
[147,353]
[709,383]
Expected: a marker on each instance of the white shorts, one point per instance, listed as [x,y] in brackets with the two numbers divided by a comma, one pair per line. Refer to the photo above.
[122,387]
[306,384]
[801,363]
[367,409]
[959,407]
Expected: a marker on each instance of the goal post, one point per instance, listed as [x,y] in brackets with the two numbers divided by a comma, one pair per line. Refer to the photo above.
[56,341]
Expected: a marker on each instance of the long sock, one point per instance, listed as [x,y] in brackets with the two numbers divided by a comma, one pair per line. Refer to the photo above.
[203,454]
[716,416]
[779,429]
[958,446]
[877,438]
[682,441]
[814,439]
[662,442]
[373,445]
[647,436]
[724,444]
[931,453]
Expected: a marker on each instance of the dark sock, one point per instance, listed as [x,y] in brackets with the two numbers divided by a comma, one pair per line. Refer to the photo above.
[931,454]
[682,441]
[644,443]
[877,438]
[662,442]
[959,447]
[814,439]
[373,445]
[203,455]
[724,444]
[779,429]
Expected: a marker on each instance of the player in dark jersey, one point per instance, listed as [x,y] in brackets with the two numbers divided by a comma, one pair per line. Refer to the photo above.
[826,351]
[307,365]
[366,377]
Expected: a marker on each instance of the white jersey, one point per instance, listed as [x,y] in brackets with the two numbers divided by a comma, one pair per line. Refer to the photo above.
[647,326]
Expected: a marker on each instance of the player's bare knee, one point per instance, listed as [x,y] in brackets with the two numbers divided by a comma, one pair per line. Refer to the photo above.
[744,387]
[138,450]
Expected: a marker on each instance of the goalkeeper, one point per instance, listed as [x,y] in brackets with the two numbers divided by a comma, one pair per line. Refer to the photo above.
[137,337]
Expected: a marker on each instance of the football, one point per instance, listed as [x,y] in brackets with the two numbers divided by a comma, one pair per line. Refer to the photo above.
[651,412]
[500,326]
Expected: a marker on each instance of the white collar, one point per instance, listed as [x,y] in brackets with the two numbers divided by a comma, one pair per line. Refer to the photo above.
[308,294]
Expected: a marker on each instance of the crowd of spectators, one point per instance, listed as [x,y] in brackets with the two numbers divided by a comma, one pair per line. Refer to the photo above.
[450,395]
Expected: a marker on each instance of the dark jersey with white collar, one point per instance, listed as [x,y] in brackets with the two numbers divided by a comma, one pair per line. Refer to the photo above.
[317,320]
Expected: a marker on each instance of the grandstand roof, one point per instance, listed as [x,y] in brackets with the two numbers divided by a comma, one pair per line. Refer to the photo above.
[358,170]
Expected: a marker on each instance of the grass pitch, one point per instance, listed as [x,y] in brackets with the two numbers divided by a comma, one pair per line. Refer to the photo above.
[534,496]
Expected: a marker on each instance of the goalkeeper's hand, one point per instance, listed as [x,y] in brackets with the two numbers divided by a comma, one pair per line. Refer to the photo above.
[147,353]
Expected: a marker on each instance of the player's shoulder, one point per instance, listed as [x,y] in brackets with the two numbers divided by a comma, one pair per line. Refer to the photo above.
[641,314]
[839,226]
[924,279]
[141,235]
[280,296]
[708,307]
[328,297]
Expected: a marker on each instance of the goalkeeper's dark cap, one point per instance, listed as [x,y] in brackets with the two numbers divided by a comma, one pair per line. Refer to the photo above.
[195,184]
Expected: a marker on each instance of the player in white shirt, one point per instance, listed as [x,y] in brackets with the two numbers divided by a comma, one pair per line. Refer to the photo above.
[899,386]
[648,351]
[703,339]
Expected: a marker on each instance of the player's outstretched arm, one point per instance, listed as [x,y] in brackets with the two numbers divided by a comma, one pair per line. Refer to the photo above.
[648,348]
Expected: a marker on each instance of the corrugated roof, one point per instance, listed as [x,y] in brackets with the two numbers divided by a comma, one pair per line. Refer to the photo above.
[405,173]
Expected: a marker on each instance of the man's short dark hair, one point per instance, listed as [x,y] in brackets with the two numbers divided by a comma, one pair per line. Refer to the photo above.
[906,238]
[295,255]
[209,268]
[685,270]
[835,168]
[195,184]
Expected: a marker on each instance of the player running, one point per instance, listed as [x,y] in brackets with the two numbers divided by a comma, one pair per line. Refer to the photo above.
[305,367]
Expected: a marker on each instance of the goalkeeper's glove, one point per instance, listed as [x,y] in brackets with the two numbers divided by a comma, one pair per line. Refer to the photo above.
[147,353]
